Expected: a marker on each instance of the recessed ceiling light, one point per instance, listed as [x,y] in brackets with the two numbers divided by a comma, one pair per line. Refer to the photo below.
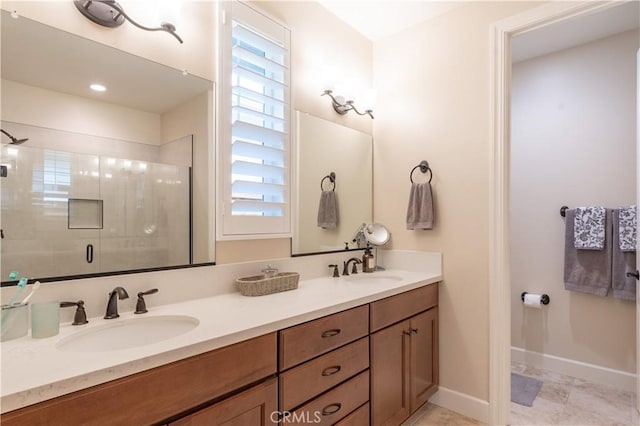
[98,87]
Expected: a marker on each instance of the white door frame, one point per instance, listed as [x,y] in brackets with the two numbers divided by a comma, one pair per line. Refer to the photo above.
[499,268]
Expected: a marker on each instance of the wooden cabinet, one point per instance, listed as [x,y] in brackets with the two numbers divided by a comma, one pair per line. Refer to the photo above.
[257,406]
[404,355]
[324,368]
[158,394]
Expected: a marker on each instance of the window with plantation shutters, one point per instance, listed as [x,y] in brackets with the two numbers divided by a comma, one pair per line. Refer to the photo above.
[255,124]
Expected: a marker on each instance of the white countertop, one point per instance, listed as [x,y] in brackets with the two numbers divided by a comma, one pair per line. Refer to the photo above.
[33,370]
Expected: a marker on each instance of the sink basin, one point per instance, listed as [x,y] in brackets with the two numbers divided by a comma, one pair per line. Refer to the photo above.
[129,333]
[374,278]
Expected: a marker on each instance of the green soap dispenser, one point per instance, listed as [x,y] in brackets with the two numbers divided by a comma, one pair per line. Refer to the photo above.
[368,261]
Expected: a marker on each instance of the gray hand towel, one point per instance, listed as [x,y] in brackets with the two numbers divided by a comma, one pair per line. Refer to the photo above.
[587,271]
[622,262]
[420,209]
[328,210]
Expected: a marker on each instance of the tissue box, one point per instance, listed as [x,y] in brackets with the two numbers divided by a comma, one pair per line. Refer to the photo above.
[260,285]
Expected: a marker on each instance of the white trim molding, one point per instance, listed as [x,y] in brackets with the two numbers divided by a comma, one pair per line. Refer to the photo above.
[582,370]
[499,281]
[467,405]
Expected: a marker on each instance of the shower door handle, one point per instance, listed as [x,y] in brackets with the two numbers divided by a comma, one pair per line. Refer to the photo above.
[635,274]
[89,253]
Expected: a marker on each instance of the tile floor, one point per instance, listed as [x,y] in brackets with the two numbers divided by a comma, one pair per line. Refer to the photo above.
[563,400]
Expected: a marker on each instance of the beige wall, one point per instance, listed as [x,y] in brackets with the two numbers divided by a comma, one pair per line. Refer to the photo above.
[573,143]
[433,104]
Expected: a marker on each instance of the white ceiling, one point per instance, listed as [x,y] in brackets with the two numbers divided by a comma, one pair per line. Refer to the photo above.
[38,55]
[376,19]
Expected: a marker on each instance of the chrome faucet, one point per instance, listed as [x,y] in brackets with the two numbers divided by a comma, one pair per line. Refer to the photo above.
[354,270]
[112,304]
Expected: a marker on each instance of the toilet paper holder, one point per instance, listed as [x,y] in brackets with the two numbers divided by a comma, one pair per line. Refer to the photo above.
[544,299]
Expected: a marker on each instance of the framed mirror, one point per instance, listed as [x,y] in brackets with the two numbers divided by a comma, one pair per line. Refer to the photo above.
[324,148]
[103,181]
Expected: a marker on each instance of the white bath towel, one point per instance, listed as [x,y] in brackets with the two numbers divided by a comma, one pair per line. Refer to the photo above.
[328,210]
[420,208]
[589,228]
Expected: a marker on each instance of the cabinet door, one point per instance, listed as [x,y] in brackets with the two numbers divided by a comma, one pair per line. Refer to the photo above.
[424,357]
[390,358]
[256,406]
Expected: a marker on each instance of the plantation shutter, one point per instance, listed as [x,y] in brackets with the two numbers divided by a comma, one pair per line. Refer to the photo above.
[257,173]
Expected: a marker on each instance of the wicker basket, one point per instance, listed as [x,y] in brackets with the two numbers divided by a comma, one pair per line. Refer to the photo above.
[259,285]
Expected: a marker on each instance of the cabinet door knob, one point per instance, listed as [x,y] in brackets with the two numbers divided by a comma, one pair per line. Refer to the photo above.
[406,333]
[331,333]
[414,330]
[331,409]
[331,370]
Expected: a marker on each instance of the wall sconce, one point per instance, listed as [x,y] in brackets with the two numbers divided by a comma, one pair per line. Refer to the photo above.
[109,13]
[342,107]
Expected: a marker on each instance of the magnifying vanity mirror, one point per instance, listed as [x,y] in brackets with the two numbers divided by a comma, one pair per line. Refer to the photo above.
[331,157]
[108,181]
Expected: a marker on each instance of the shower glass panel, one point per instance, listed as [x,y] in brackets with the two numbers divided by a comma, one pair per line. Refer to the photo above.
[36,239]
[146,214]
[73,214]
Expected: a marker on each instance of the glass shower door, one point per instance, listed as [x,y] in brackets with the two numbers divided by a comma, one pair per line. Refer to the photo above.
[146,215]
[41,189]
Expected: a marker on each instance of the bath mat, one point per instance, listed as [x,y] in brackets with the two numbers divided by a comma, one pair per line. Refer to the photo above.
[524,389]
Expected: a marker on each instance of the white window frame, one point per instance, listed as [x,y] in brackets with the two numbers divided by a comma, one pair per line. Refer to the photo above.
[228,226]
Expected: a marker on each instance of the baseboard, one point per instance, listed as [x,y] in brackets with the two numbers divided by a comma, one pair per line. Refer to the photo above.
[462,403]
[581,370]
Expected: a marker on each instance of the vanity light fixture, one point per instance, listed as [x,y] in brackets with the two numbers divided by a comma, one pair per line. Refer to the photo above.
[342,107]
[109,13]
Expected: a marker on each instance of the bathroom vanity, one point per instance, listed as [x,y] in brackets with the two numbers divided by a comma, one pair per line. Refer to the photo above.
[335,351]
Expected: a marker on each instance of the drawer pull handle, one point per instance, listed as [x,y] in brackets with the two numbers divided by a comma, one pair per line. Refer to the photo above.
[331,333]
[414,330]
[329,371]
[331,409]
[406,333]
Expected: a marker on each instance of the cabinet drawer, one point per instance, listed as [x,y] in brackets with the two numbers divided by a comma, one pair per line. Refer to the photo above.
[154,395]
[334,405]
[303,342]
[359,417]
[314,377]
[396,308]
[256,406]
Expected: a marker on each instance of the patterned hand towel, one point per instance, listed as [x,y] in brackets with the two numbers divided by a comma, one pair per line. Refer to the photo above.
[588,228]
[622,262]
[328,210]
[627,228]
[420,209]
[587,271]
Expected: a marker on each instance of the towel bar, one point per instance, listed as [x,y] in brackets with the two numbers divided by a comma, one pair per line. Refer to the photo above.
[563,211]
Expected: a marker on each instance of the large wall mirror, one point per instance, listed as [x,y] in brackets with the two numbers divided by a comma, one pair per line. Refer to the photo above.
[100,182]
[323,148]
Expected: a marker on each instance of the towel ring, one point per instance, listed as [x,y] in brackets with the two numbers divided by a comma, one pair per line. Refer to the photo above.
[332,178]
[424,168]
